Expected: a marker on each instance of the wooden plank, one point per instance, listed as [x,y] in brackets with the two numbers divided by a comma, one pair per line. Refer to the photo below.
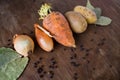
[96,57]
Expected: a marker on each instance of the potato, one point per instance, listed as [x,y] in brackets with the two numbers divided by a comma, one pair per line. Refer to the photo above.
[77,21]
[87,13]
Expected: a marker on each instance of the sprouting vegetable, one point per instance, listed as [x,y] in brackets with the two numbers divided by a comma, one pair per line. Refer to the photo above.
[101,20]
[44,41]
[89,15]
[57,25]
[89,5]
[23,44]
[11,64]
[77,21]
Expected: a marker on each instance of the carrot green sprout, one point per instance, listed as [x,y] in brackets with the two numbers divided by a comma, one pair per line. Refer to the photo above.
[44,10]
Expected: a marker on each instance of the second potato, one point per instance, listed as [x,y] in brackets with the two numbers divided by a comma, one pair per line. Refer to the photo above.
[77,21]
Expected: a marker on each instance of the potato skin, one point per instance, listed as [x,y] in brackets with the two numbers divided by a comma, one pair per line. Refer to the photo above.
[89,15]
[77,21]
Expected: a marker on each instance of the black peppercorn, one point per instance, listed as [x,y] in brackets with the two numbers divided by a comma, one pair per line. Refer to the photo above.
[92,40]
[9,39]
[41,76]
[40,70]
[40,58]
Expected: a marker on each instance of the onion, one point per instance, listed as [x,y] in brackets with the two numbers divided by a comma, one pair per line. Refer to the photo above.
[23,44]
[43,38]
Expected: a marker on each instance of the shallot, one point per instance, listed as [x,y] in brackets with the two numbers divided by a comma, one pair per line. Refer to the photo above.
[43,38]
[23,44]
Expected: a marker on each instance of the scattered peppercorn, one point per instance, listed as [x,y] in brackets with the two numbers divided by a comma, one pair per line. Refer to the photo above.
[42,66]
[92,40]
[87,54]
[100,44]
[52,59]
[51,67]
[44,72]
[93,68]
[35,63]
[34,0]
[51,74]
[38,62]
[87,50]
[31,32]
[65,49]
[41,76]
[72,49]
[8,44]
[110,66]
[40,70]
[88,61]
[81,45]
[72,58]
[35,66]
[83,57]
[103,39]
[75,64]
[75,55]
[56,66]
[95,32]
[75,76]
[9,40]
[54,62]
[82,49]
[40,58]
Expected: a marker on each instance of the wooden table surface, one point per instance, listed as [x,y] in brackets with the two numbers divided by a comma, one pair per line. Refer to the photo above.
[97,56]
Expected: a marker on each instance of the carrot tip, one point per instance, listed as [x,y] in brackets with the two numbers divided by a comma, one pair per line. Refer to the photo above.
[74,46]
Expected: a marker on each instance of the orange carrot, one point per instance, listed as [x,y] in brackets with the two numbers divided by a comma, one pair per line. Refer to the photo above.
[44,41]
[57,25]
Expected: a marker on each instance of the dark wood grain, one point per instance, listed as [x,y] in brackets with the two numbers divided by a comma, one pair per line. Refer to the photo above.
[97,56]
